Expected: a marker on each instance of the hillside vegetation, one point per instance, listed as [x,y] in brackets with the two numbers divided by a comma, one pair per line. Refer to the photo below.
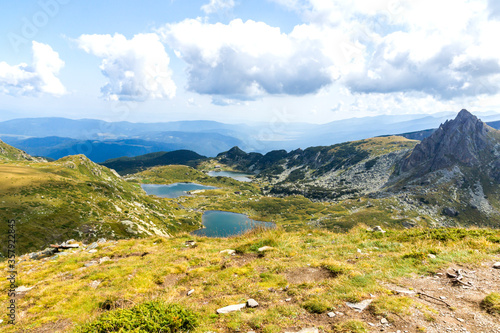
[296,281]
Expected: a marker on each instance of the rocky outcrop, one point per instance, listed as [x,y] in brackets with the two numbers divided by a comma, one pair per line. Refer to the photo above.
[466,140]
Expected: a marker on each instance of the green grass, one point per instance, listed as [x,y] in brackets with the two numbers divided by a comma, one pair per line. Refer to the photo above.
[491,303]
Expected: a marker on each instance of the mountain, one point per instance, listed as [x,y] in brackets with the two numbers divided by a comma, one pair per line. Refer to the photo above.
[9,153]
[128,165]
[451,177]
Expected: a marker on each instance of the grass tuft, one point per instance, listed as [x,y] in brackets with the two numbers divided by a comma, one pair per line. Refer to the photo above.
[491,303]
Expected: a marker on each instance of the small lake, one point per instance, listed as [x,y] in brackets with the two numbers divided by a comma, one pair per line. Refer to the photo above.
[173,190]
[242,177]
[225,224]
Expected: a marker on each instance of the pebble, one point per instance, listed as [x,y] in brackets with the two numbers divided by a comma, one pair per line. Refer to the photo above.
[104,259]
[431,256]
[251,303]
[496,265]
[384,321]
[331,314]
[189,293]
[460,320]
[228,251]
[359,306]
[288,300]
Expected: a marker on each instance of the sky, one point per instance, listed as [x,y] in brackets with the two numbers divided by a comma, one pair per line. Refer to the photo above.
[238,61]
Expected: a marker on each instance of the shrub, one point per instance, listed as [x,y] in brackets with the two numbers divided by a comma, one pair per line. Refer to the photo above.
[152,316]
[491,303]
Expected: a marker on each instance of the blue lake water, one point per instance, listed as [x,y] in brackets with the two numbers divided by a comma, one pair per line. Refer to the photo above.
[242,177]
[173,190]
[225,224]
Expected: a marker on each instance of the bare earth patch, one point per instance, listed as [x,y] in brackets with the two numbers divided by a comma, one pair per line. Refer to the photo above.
[308,274]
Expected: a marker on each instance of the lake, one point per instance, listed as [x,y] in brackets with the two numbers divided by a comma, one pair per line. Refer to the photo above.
[242,177]
[173,190]
[224,224]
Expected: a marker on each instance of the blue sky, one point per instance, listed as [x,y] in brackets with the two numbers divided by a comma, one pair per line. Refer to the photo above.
[244,61]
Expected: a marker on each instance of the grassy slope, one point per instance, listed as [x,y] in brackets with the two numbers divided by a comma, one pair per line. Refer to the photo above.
[74,198]
[63,292]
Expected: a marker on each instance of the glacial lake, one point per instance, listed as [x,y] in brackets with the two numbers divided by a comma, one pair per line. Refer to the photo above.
[173,190]
[224,224]
[242,177]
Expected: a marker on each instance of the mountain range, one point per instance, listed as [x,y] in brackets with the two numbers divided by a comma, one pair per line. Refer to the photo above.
[99,140]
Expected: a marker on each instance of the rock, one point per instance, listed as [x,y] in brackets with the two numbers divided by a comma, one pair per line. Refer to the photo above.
[92,246]
[101,240]
[288,300]
[265,248]
[23,289]
[94,284]
[384,321]
[251,303]
[91,263]
[190,243]
[442,297]
[448,211]
[460,320]
[431,256]
[231,308]
[378,229]
[228,251]
[496,265]
[104,259]
[93,251]
[189,293]
[331,314]
[359,306]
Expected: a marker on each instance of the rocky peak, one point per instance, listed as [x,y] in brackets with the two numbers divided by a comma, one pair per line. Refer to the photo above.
[459,141]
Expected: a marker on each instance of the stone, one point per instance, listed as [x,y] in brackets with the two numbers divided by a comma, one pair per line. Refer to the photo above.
[307,330]
[92,246]
[359,306]
[431,256]
[104,259]
[460,320]
[189,293]
[94,284]
[384,321]
[251,303]
[93,251]
[228,251]
[288,300]
[231,308]
[378,229]
[448,211]
[23,289]
[331,314]
[101,240]
[496,265]
[190,243]
[265,248]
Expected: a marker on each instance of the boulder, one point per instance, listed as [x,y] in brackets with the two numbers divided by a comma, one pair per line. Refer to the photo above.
[251,303]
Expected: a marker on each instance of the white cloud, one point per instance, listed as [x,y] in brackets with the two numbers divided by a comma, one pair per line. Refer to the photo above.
[216,5]
[136,69]
[247,60]
[39,77]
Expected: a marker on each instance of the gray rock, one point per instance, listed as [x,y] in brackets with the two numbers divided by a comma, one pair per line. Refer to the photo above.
[378,229]
[359,306]
[451,212]
[384,321]
[94,284]
[104,259]
[92,246]
[91,263]
[101,240]
[331,314]
[496,265]
[231,308]
[93,251]
[251,303]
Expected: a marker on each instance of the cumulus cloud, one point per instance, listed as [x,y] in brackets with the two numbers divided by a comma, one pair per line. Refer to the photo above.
[216,5]
[136,69]
[247,60]
[39,77]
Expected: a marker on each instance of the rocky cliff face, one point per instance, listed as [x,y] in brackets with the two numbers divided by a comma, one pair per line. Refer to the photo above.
[466,140]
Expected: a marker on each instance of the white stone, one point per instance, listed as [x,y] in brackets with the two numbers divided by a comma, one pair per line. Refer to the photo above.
[496,265]
[189,293]
[231,308]
[384,321]
[23,289]
[228,251]
[251,303]
[359,306]
[92,251]
[104,259]
[331,314]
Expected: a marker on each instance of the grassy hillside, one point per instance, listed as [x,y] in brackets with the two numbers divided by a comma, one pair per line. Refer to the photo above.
[304,275]
[76,198]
